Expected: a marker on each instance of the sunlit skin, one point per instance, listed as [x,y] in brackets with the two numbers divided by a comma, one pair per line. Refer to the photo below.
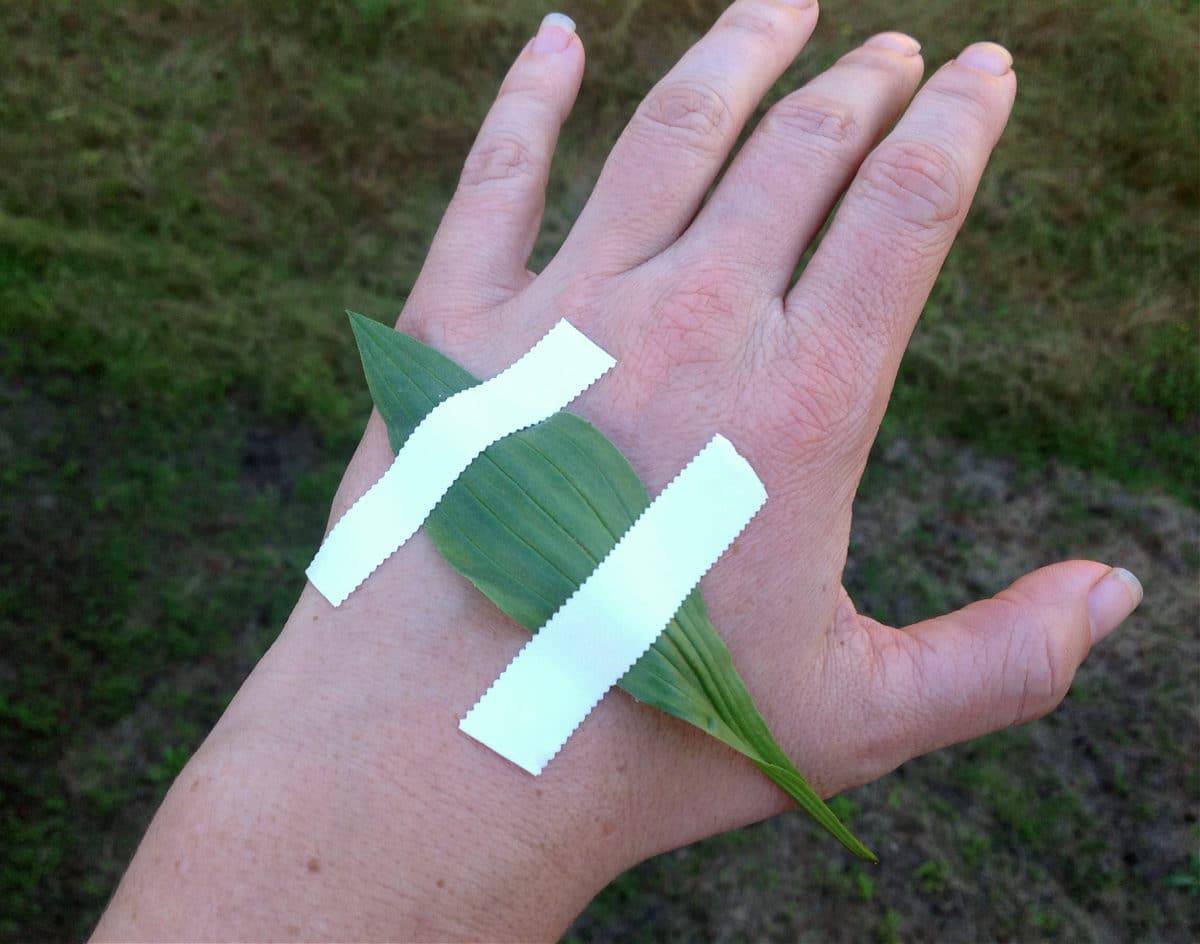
[336,798]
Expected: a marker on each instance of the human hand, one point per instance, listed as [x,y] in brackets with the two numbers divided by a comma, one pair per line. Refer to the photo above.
[359,705]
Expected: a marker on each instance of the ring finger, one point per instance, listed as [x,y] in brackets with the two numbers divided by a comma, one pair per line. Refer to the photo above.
[785,180]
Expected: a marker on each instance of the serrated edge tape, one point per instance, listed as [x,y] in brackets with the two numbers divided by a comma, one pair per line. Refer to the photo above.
[609,622]
[533,388]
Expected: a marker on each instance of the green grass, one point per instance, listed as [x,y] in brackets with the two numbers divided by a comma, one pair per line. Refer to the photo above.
[192,193]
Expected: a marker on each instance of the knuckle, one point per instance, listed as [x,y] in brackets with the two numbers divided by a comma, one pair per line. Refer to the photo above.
[967,92]
[689,322]
[584,297]
[819,391]
[451,317]
[503,157]
[1040,670]
[695,321]
[804,116]
[898,668]
[918,185]
[692,114]
[417,321]
[892,65]
[524,87]
[818,414]
[759,20]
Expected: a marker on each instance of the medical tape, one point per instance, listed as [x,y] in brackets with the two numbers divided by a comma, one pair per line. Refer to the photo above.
[550,375]
[594,638]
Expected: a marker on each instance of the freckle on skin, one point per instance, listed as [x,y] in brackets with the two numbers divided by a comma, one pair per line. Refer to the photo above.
[441,883]
[195,784]
[314,865]
[292,930]
[608,827]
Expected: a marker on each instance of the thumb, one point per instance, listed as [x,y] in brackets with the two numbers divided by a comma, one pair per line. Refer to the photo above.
[1002,661]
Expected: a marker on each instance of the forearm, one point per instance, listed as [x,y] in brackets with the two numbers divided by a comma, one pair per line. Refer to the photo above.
[292,822]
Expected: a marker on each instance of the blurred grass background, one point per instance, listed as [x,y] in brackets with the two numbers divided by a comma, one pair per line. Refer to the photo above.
[193,192]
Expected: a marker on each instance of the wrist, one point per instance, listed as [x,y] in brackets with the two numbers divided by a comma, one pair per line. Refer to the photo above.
[337,798]
[427,835]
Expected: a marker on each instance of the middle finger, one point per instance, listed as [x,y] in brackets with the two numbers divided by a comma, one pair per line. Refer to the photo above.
[670,153]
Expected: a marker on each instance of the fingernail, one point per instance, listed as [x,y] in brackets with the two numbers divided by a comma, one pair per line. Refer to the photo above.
[986,57]
[1112,600]
[896,42]
[554,35]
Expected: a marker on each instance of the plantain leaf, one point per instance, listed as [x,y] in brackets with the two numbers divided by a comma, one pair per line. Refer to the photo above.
[528,522]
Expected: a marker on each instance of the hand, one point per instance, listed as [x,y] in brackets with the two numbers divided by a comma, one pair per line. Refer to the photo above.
[362,804]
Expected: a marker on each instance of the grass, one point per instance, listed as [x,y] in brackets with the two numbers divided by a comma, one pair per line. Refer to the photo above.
[193,192]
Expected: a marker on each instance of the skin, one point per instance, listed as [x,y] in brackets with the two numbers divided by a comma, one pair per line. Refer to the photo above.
[336,798]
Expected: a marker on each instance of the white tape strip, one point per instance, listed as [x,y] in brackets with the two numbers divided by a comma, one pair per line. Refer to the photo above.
[602,630]
[549,376]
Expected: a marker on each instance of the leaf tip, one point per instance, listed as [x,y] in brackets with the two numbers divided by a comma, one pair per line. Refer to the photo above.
[363,327]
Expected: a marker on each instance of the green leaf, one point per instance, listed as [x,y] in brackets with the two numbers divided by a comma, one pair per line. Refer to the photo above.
[528,522]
